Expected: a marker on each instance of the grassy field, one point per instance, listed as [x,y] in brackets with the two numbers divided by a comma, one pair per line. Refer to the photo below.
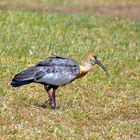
[62,4]
[95,107]
[66,3]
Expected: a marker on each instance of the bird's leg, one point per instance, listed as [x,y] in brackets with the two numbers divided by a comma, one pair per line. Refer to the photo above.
[51,93]
[50,98]
[48,90]
[54,98]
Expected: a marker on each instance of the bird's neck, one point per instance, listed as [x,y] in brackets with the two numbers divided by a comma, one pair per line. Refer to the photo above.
[84,69]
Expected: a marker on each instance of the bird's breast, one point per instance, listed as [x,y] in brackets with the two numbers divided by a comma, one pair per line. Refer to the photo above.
[83,72]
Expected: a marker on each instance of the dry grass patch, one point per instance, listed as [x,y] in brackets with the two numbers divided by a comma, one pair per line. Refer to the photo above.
[94,107]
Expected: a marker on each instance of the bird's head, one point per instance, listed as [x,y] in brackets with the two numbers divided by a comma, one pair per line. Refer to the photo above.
[92,61]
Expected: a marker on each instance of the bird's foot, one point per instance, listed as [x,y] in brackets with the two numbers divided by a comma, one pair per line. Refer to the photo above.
[43,105]
[55,107]
[50,104]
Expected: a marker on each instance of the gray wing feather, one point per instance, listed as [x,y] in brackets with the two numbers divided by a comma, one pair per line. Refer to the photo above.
[58,71]
[57,75]
[25,75]
[58,61]
[54,71]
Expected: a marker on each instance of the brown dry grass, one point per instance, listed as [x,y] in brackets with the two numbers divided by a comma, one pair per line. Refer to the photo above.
[128,9]
[90,108]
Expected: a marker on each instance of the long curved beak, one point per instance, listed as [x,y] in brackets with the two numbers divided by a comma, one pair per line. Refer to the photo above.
[102,66]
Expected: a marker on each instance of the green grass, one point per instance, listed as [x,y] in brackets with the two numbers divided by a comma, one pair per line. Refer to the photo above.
[49,4]
[94,107]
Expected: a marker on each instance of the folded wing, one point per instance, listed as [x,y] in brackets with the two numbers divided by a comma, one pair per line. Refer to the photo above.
[54,71]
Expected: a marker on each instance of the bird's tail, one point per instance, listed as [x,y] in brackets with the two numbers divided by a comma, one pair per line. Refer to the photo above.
[15,83]
[24,77]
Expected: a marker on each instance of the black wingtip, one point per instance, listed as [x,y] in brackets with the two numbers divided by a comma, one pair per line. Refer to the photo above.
[15,83]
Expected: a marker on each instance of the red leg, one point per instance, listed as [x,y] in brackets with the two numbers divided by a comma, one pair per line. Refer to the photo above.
[54,98]
[51,94]
[46,87]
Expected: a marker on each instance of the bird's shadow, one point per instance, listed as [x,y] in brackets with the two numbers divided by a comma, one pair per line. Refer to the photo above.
[46,105]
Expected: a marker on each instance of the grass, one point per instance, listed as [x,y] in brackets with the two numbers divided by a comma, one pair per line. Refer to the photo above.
[94,107]
[60,4]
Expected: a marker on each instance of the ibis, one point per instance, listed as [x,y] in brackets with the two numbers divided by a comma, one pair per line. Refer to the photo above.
[54,72]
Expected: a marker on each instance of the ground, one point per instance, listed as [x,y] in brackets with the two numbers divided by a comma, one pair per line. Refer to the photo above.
[94,107]
[125,8]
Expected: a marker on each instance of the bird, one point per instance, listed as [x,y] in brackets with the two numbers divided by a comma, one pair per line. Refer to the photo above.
[54,72]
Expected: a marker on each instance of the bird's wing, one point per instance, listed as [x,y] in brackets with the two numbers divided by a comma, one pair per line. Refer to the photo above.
[58,61]
[57,71]
[26,75]
[56,75]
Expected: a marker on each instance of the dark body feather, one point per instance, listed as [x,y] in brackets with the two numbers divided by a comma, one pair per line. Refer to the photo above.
[56,71]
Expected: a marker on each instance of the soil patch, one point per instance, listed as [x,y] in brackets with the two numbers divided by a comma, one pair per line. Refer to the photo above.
[121,10]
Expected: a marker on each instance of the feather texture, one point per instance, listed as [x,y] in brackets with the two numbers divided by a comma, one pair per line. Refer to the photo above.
[55,71]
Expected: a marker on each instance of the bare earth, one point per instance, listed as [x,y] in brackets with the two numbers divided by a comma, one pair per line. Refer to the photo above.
[131,11]
[124,10]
